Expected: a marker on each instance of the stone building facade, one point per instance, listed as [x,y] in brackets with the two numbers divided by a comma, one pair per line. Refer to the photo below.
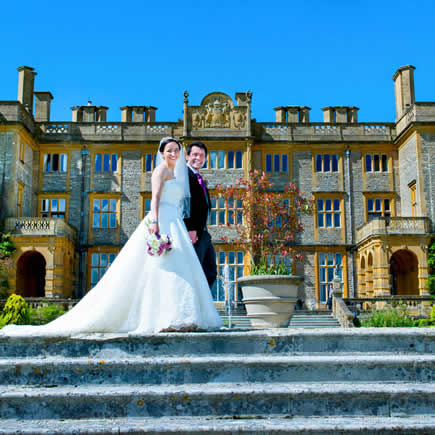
[73,192]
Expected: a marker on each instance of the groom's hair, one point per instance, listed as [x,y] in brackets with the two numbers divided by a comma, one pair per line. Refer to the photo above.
[196,144]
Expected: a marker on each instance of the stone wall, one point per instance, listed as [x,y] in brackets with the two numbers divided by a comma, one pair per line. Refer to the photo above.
[428,167]
[7,189]
[408,171]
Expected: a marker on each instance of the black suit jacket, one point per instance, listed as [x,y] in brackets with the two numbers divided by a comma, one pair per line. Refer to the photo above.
[199,206]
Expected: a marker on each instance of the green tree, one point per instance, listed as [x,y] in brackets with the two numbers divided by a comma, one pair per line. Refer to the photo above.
[16,312]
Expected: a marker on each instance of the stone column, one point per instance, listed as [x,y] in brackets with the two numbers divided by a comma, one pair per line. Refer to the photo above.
[404,89]
[328,114]
[280,114]
[26,82]
[381,273]
[42,106]
[126,113]
[150,114]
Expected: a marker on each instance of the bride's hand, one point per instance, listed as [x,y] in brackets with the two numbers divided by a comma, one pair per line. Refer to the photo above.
[154,229]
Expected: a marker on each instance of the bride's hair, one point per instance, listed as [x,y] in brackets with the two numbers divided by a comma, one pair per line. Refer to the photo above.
[165,142]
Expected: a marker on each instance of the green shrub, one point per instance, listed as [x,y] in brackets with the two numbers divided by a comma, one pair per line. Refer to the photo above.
[390,317]
[43,315]
[16,311]
[427,322]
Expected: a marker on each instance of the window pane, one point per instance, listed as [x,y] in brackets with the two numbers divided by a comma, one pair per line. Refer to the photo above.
[222,257]
[336,220]
[334,163]
[239,271]
[384,163]
[326,162]
[213,217]
[318,162]
[322,277]
[230,159]
[239,203]
[114,162]
[376,162]
[231,257]
[44,206]
[113,205]
[320,204]
[148,162]
[94,276]
[55,162]
[378,205]
[111,258]
[147,205]
[239,217]
[103,260]
[330,258]
[62,204]
[54,203]
[95,260]
[268,162]
[105,205]
[336,204]
[322,258]
[106,162]
[276,163]
[63,162]
[97,163]
[112,220]
[320,220]
[212,159]
[368,163]
[239,159]
[328,219]
[96,205]
[338,258]
[47,158]
[328,205]
[221,156]
[284,163]
[323,293]
[104,220]
[386,204]
[239,257]
[231,217]
[222,217]
[96,220]
[221,202]
[213,201]
[230,202]
[330,274]
[370,204]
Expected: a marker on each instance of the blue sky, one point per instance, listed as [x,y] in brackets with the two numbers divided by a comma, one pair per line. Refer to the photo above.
[313,53]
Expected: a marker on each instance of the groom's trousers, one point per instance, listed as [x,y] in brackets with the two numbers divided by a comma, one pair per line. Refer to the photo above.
[207,257]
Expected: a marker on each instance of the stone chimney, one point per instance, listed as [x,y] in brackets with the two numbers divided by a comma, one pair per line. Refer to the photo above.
[26,82]
[150,114]
[42,106]
[404,89]
[340,114]
[292,114]
[126,114]
[89,113]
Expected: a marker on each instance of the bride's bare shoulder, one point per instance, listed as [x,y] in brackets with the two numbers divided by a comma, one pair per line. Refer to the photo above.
[160,173]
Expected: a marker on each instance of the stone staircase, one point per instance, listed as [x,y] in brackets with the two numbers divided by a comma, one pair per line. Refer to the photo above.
[281,381]
[313,319]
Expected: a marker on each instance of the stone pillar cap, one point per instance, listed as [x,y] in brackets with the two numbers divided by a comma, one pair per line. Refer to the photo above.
[402,68]
[22,68]
[279,108]
[48,93]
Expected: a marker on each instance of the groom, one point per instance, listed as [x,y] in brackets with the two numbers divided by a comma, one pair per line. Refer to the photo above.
[196,223]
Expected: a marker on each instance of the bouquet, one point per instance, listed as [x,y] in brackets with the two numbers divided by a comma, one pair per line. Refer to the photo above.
[156,243]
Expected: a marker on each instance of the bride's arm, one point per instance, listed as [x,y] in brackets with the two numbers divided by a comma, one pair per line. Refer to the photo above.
[157,181]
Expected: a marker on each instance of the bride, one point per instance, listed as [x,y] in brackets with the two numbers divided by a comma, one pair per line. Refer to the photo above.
[140,293]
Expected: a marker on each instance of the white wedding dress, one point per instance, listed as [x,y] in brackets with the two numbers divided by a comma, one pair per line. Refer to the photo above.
[142,294]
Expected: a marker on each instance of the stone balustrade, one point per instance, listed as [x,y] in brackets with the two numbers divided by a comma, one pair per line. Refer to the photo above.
[418,112]
[39,227]
[363,132]
[105,131]
[14,111]
[393,225]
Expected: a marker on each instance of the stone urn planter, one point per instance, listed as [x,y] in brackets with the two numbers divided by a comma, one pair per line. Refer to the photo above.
[270,299]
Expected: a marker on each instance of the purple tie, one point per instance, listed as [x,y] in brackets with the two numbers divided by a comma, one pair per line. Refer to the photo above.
[201,182]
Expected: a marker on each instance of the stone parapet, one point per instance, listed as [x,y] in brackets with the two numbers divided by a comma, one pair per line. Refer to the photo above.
[325,132]
[394,225]
[106,131]
[15,112]
[418,112]
[33,226]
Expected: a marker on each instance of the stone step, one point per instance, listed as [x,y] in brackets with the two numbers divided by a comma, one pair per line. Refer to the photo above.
[269,342]
[366,425]
[218,400]
[313,320]
[251,369]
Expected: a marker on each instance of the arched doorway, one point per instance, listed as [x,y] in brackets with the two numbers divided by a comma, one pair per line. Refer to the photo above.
[31,275]
[404,273]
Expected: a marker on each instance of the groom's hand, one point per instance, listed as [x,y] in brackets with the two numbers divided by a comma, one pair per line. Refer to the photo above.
[193,236]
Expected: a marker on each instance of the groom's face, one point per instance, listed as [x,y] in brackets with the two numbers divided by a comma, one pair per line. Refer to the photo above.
[196,158]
